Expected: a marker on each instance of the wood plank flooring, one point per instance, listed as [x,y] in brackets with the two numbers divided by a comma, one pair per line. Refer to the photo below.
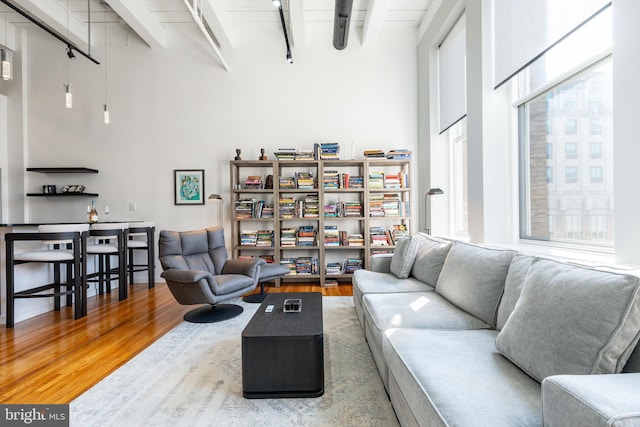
[52,359]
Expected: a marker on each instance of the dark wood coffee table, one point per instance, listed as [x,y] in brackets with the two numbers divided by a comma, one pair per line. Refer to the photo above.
[283,353]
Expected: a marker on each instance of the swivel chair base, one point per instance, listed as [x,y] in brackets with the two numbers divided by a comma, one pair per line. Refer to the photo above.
[255,298]
[213,313]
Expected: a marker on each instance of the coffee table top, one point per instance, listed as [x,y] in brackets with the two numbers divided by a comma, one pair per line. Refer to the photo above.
[306,323]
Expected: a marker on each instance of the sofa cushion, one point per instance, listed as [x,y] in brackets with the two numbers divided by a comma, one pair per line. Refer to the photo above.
[403,257]
[572,320]
[457,378]
[430,258]
[472,278]
[512,287]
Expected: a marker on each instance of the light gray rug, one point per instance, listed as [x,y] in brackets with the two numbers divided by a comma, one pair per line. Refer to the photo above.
[192,377]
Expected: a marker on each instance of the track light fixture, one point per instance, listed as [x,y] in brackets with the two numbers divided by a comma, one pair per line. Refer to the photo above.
[70,53]
[284,30]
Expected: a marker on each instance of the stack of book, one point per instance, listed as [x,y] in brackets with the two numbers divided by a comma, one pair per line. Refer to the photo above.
[331,235]
[392,180]
[375,205]
[306,235]
[331,211]
[329,151]
[376,179]
[379,236]
[285,154]
[351,265]
[244,208]
[248,238]
[333,268]
[287,207]
[356,181]
[352,209]
[399,153]
[355,239]
[331,179]
[399,231]
[311,206]
[287,182]
[304,155]
[267,258]
[267,211]
[288,237]
[304,181]
[265,238]
[373,152]
[253,182]
[306,265]
[391,204]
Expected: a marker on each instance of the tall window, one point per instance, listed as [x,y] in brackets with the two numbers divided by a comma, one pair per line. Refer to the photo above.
[458,182]
[572,110]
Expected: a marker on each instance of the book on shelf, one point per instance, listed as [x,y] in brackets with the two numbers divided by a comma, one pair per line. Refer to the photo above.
[351,264]
[356,182]
[329,151]
[285,154]
[373,152]
[287,207]
[288,237]
[352,209]
[304,180]
[264,238]
[331,179]
[248,237]
[253,182]
[399,153]
[391,204]
[287,183]
[244,208]
[331,235]
[379,236]
[376,179]
[333,268]
[392,180]
[355,239]
[304,155]
[306,235]
[311,206]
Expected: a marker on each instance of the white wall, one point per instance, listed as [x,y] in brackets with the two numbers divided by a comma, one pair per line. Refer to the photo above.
[177,108]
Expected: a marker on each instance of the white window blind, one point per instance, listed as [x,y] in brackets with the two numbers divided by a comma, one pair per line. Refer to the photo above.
[452,71]
[526,29]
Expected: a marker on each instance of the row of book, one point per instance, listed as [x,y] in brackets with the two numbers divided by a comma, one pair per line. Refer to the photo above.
[347,266]
[347,209]
[252,208]
[380,236]
[388,204]
[379,179]
[294,154]
[309,207]
[396,153]
[334,237]
[302,236]
[335,179]
[261,238]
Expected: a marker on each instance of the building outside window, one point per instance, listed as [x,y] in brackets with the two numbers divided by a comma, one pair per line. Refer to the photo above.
[567,110]
[458,181]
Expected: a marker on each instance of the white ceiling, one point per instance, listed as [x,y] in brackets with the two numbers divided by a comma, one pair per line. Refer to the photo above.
[224,18]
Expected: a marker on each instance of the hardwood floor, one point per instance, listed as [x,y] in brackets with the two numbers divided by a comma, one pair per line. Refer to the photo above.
[52,358]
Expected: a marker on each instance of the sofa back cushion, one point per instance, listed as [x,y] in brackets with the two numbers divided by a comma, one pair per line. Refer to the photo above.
[472,278]
[430,258]
[572,320]
[403,256]
[512,287]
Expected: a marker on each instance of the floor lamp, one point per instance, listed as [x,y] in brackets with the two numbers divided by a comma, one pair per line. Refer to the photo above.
[218,199]
[427,208]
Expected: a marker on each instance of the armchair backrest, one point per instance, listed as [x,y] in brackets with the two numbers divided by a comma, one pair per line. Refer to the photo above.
[193,250]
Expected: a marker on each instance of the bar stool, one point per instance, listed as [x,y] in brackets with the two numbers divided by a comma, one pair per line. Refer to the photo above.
[141,237]
[65,245]
[107,240]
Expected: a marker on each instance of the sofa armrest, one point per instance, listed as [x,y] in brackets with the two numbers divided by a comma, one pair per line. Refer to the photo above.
[591,400]
[248,267]
[381,263]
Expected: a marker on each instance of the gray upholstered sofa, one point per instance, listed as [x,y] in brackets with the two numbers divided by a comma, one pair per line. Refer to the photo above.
[466,335]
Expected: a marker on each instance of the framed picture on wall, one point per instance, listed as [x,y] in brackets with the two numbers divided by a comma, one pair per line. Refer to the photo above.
[189,186]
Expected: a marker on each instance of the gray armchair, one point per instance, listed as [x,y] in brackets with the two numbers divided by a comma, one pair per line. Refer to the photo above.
[197,271]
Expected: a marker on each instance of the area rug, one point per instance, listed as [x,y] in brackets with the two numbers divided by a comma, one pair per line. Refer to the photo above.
[192,377]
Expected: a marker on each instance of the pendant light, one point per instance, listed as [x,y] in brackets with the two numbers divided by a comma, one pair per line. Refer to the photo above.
[68,95]
[105,106]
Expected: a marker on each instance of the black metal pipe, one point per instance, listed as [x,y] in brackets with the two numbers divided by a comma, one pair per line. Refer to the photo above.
[69,43]
[286,36]
[341,22]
